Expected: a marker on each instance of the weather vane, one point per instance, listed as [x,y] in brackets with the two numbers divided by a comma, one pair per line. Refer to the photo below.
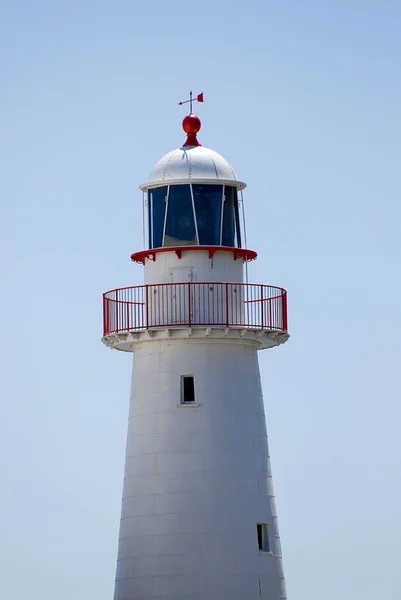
[199,98]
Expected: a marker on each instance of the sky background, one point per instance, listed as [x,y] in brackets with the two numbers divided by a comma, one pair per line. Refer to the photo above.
[303,99]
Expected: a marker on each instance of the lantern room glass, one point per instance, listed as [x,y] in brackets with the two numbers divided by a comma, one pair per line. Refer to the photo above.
[208,204]
[157,208]
[180,223]
[231,235]
[194,214]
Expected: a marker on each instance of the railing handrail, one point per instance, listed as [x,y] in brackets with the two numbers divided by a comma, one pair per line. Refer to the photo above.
[242,283]
[123,301]
[189,304]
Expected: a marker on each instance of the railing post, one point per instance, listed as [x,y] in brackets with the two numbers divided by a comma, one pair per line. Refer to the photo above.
[226,304]
[147,306]
[189,305]
[262,307]
[284,310]
[117,323]
[104,315]
[271,326]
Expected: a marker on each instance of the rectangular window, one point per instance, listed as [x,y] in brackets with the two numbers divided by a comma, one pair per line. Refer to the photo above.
[263,537]
[187,389]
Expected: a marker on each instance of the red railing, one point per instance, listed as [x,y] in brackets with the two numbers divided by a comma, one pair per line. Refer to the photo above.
[191,304]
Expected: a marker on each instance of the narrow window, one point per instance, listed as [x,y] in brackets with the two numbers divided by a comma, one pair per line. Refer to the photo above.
[187,389]
[263,537]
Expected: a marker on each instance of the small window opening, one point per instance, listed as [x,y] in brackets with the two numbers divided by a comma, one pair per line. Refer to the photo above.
[188,389]
[263,537]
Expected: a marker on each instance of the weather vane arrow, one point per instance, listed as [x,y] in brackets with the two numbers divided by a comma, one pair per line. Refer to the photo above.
[199,98]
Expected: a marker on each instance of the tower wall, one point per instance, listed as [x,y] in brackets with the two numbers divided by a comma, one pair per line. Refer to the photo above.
[197,478]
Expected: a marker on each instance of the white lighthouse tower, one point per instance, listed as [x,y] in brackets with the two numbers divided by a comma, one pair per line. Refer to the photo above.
[198,517]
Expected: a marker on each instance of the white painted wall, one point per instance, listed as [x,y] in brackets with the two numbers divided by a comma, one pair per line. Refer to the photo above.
[197,478]
[194,265]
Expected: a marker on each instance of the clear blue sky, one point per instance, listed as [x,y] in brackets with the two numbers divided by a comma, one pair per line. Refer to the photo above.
[303,98]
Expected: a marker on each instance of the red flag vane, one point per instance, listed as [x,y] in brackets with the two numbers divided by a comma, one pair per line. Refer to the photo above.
[199,98]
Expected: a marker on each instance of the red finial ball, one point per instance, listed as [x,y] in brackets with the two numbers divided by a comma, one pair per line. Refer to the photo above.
[191,125]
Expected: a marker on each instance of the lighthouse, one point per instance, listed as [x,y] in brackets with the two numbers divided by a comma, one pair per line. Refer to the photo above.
[198,518]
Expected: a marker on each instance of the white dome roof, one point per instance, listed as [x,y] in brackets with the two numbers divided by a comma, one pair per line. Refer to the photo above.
[195,164]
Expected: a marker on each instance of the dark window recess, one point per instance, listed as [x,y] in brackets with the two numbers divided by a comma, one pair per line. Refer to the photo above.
[263,537]
[157,210]
[188,389]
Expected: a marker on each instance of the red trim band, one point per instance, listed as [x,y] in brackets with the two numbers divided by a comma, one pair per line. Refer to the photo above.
[239,253]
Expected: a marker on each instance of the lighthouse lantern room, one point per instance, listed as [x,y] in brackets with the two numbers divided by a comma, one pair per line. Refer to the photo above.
[198,516]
